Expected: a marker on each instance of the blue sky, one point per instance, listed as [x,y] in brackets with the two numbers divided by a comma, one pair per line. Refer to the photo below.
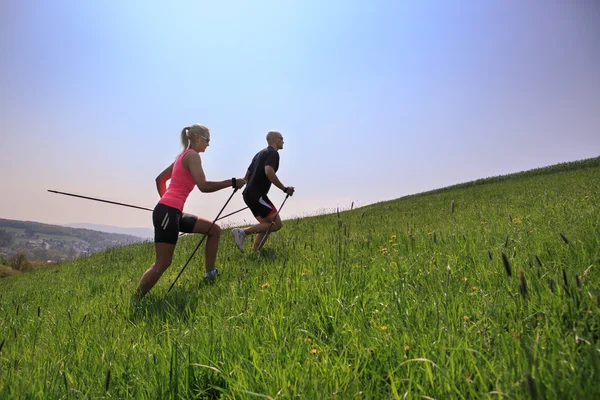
[375,100]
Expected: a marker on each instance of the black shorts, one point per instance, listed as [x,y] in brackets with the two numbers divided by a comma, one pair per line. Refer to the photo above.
[169,221]
[260,206]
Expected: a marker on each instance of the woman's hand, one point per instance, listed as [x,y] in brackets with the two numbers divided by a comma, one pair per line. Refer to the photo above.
[239,183]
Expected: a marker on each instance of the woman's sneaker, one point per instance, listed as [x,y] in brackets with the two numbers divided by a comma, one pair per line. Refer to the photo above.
[238,236]
[209,276]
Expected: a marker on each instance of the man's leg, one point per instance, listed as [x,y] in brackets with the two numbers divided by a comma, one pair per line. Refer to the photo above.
[265,212]
[274,221]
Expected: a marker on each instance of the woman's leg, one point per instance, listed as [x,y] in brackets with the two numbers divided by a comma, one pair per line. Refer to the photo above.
[212,241]
[164,256]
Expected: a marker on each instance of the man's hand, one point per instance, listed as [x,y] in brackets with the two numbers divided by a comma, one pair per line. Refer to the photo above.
[289,190]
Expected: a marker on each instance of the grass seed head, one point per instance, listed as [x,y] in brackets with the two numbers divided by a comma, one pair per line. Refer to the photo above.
[452,207]
[490,255]
[107,383]
[551,285]
[531,387]
[538,260]
[507,266]
[522,283]
[563,237]
[566,283]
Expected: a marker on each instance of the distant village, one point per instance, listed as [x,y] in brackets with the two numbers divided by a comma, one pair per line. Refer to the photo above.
[57,248]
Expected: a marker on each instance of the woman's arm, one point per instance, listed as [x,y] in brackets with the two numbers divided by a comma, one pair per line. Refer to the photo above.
[161,180]
[194,164]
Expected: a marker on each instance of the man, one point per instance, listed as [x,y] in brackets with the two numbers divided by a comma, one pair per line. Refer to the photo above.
[259,177]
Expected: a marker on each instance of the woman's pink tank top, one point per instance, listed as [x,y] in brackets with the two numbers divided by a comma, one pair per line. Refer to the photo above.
[182,183]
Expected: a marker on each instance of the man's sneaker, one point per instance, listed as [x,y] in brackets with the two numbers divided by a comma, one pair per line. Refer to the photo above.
[209,276]
[239,235]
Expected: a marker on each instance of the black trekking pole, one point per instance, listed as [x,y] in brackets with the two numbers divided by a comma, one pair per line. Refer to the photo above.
[128,205]
[230,214]
[201,240]
[103,201]
[272,223]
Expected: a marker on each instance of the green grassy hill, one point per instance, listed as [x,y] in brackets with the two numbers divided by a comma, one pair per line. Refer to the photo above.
[487,290]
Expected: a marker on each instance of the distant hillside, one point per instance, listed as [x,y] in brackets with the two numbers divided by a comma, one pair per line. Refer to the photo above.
[145,233]
[44,242]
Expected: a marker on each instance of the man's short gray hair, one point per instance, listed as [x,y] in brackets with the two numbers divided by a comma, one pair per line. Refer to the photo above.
[272,135]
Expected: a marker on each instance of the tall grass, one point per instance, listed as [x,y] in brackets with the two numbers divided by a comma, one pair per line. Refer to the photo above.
[406,298]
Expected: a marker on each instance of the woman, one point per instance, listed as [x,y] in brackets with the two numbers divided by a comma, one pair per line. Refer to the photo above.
[168,217]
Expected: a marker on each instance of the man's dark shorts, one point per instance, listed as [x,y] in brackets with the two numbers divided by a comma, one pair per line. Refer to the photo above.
[260,206]
[169,221]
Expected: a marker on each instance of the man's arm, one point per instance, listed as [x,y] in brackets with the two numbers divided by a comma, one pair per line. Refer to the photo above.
[270,172]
